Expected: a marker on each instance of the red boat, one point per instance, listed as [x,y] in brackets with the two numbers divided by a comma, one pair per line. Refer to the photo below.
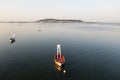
[59,59]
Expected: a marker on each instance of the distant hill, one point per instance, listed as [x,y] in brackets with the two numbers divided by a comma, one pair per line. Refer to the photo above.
[48,20]
[52,20]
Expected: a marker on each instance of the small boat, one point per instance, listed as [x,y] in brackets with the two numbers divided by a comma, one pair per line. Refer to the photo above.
[12,39]
[59,60]
[39,30]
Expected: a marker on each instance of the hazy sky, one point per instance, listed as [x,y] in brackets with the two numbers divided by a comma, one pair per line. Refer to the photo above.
[87,10]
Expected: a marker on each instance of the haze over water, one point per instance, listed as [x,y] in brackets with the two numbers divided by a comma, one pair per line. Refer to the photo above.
[86,10]
[92,51]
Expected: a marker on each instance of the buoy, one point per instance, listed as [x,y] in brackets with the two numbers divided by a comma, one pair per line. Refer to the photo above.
[64,71]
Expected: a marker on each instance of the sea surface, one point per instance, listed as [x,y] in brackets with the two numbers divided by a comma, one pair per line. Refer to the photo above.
[92,51]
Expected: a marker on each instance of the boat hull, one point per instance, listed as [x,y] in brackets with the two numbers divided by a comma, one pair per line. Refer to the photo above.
[12,40]
[59,62]
[59,68]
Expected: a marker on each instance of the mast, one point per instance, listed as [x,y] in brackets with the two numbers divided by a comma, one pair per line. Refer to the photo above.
[58,50]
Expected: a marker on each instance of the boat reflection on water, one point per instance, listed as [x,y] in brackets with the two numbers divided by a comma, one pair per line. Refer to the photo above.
[59,60]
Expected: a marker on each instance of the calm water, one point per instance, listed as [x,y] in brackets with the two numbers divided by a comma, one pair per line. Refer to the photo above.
[92,52]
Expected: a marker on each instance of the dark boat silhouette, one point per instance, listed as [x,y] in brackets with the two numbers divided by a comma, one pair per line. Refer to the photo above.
[59,60]
[12,39]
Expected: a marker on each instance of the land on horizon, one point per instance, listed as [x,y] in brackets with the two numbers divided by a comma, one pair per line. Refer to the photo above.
[47,20]
[52,20]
